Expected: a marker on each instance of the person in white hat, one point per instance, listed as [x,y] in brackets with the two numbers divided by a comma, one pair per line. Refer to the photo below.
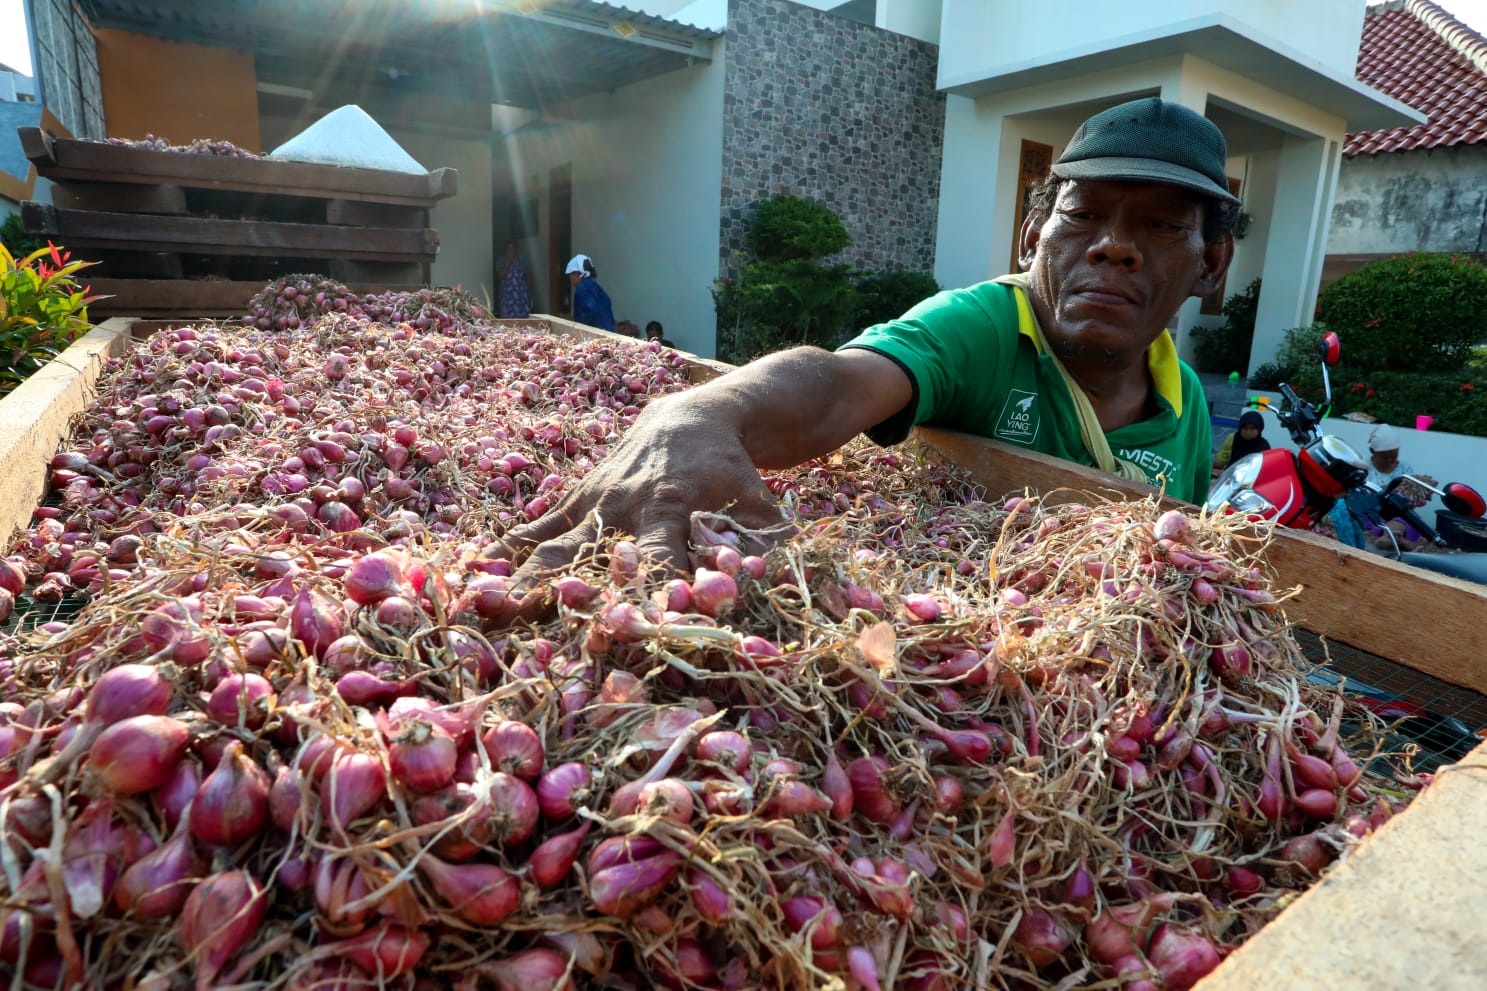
[590,301]
[1384,467]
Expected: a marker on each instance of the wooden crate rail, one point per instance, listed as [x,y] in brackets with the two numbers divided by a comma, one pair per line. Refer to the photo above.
[36,416]
[66,158]
[211,236]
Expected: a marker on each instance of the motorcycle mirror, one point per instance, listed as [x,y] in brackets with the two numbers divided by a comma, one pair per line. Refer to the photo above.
[1463,500]
[1329,348]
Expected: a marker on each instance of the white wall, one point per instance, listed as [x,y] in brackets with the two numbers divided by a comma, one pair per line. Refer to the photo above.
[647,189]
[982,38]
[464,220]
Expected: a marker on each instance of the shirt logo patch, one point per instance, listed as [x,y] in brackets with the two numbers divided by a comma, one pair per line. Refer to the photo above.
[1019,420]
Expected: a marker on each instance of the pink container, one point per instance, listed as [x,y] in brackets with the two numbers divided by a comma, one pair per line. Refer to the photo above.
[1423,422]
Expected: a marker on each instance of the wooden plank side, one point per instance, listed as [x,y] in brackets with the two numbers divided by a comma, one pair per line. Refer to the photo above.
[72,159]
[38,146]
[209,235]
[142,297]
[194,297]
[361,213]
[1000,468]
[1429,622]
[1403,913]
[699,369]
[37,413]
[1425,621]
[119,197]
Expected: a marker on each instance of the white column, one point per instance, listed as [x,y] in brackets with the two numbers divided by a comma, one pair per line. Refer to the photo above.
[978,181]
[1306,180]
[1185,88]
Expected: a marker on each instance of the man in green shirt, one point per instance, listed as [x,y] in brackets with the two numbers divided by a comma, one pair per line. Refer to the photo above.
[1070,358]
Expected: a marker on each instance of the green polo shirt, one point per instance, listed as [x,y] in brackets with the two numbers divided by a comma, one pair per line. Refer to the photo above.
[975,366]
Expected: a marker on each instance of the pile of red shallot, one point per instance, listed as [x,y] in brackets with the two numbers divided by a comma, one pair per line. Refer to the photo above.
[220,147]
[911,739]
[292,301]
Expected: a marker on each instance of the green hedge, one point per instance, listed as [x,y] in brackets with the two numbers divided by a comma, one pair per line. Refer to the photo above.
[790,227]
[1417,312]
[1226,348]
[1456,398]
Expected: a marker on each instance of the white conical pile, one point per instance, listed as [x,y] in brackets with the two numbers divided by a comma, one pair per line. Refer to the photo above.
[348,136]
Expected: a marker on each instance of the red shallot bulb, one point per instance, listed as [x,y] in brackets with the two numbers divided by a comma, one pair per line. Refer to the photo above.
[374,577]
[563,789]
[242,700]
[422,756]
[218,919]
[138,754]
[128,690]
[514,747]
[232,803]
[480,894]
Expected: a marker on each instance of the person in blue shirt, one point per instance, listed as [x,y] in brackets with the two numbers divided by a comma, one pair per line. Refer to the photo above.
[590,301]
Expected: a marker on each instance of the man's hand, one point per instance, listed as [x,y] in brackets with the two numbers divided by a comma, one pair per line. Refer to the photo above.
[701,450]
[675,460]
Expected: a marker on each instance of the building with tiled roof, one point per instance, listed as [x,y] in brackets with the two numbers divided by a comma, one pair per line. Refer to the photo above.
[1424,187]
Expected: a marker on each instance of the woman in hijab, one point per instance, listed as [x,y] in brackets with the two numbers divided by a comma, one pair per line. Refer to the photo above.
[1248,439]
[590,301]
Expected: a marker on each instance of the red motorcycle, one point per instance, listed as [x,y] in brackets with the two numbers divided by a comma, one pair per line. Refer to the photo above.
[1298,488]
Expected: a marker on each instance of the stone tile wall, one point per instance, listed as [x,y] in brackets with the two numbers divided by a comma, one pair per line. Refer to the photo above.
[819,106]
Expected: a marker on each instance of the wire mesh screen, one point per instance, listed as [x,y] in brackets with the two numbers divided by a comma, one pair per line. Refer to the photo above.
[1442,719]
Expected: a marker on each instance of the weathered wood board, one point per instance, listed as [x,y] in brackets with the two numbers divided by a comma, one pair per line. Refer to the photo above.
[66,158]
[210,235]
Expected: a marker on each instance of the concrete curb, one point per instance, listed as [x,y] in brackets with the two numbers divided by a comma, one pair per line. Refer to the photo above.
[36,417]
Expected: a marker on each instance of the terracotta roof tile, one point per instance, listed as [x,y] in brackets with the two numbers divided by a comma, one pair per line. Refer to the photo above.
[1417,53]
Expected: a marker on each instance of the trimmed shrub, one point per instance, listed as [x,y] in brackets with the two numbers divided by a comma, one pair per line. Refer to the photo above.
[889,294]
[776,304]
[1226,348]
[789,227]
[1417,312]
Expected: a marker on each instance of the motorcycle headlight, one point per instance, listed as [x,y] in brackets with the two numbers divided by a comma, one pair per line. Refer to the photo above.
[1248,502]
[1234,487]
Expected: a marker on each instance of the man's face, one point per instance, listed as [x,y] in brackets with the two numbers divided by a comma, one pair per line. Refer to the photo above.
[1113,263]
[1386,460]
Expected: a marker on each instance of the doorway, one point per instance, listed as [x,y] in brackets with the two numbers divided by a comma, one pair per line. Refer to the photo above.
[560,237]
[1034,163]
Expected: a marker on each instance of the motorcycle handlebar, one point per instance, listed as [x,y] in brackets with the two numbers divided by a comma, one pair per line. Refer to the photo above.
[1399,509]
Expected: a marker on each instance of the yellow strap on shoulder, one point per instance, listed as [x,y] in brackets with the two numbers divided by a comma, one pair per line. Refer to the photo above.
[1090,431]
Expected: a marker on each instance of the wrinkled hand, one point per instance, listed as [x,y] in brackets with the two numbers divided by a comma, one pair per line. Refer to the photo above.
[678,458]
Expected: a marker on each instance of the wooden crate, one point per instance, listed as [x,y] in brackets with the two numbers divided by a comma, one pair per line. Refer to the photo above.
[152,218]
[1402,913]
